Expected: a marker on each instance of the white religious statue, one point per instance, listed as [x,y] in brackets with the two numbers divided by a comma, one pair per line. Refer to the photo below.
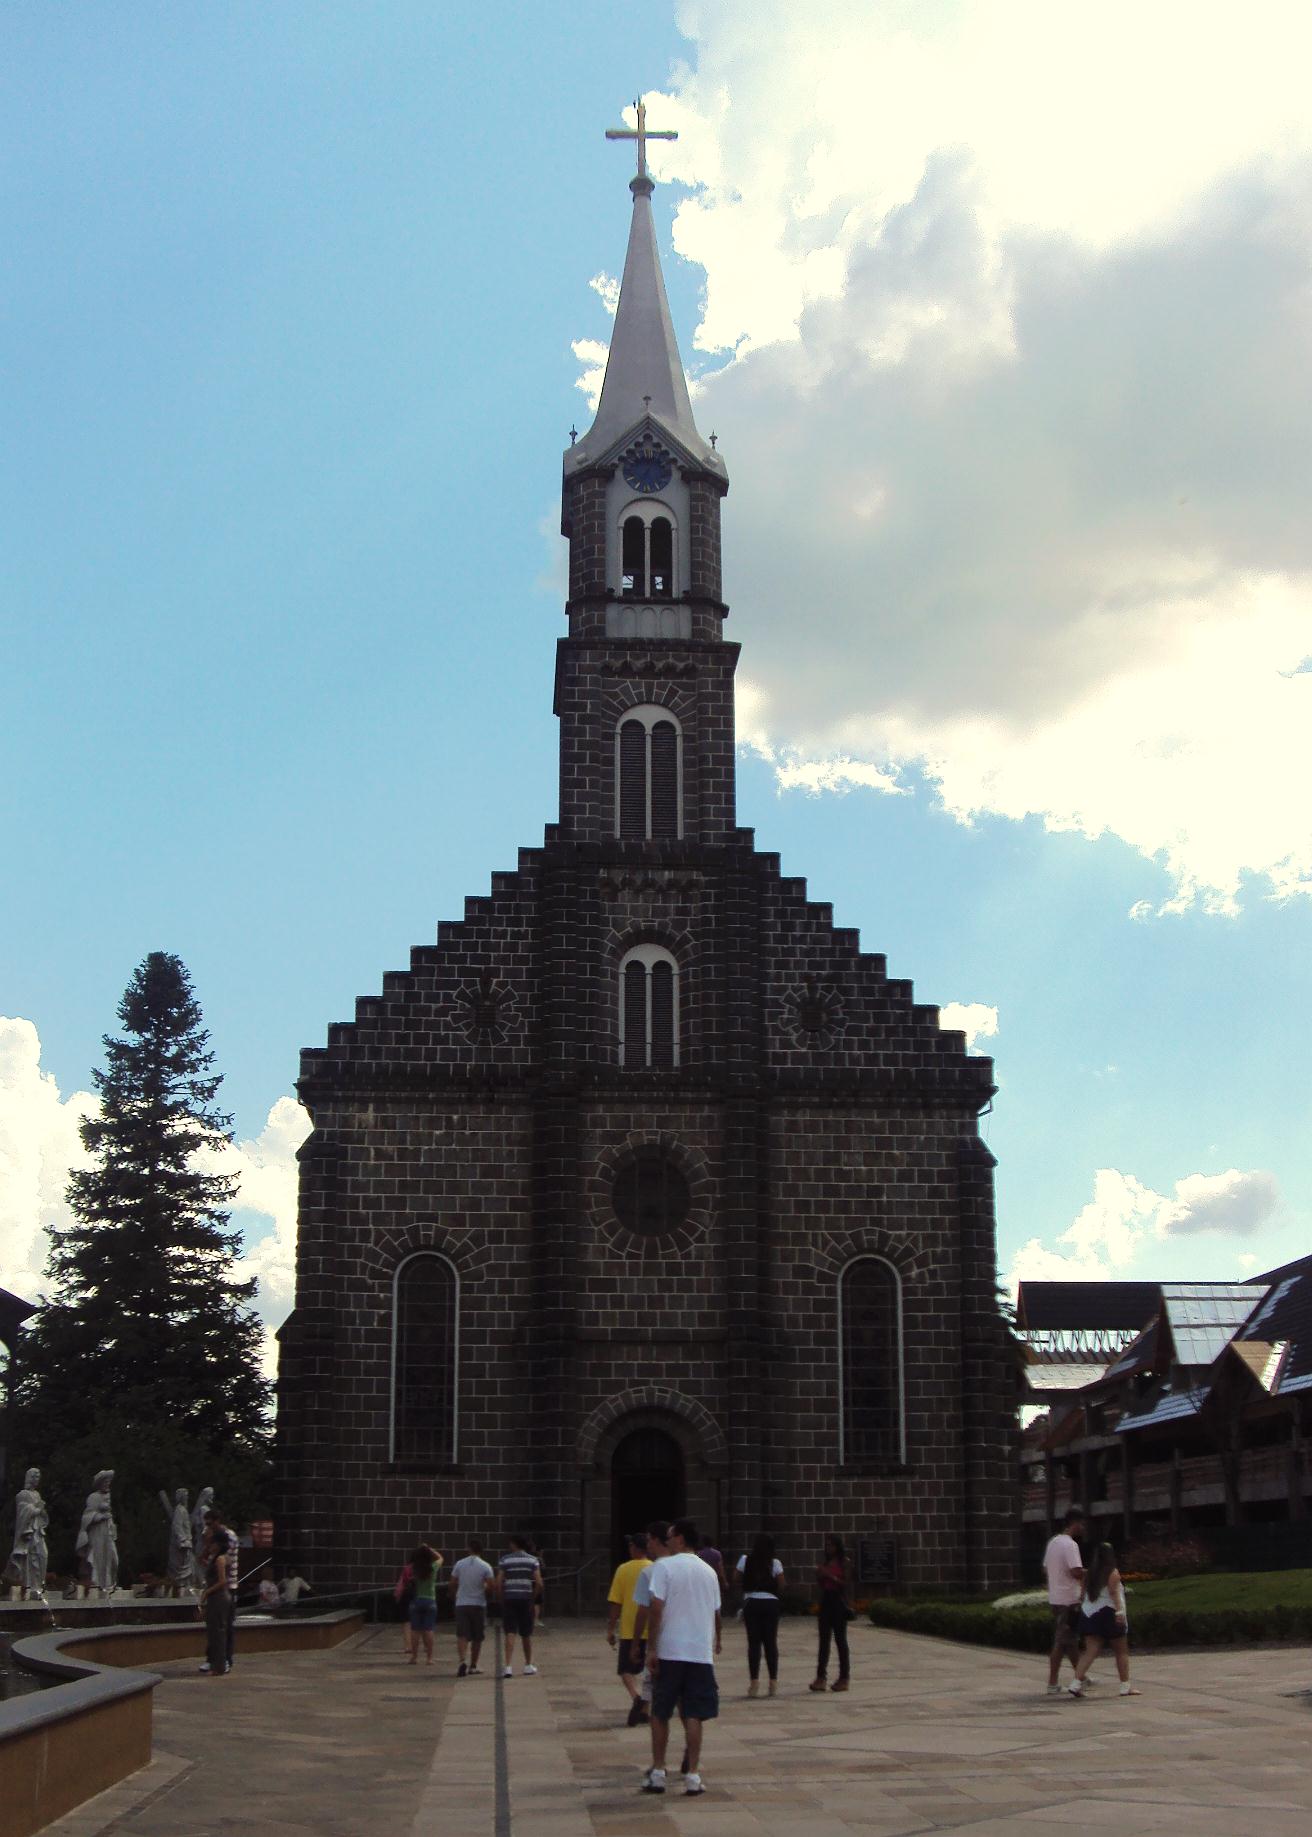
[182,1562]
[31,1520]
[97,1536]
[204,1500]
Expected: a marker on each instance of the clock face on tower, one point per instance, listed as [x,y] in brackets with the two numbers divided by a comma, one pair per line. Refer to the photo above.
[647,468]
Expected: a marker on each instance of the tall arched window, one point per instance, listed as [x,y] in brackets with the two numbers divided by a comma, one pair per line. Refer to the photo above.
[872,1414]
[648,776]
[425,1360]
[649,1010]
[647,553]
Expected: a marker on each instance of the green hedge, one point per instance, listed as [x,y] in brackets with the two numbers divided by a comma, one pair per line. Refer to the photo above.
[1030,1630]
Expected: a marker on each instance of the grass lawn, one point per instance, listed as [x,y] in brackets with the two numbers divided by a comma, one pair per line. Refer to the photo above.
[1265,1588]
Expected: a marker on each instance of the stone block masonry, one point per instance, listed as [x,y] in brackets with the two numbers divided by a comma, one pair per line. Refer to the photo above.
[589,1180]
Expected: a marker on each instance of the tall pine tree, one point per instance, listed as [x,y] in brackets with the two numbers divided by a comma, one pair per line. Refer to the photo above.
[148,1339]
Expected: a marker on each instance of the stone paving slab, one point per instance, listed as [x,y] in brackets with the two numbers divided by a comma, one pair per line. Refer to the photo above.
[932,1737]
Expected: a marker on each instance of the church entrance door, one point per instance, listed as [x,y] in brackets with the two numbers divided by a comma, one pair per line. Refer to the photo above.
[646,1481]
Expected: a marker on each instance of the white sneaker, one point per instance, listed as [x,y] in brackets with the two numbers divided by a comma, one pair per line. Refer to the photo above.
[1075,1688]
[655,1780]
[692,1785]
[1054,1690]
[530,1671]
[205,1667]
[508,1672]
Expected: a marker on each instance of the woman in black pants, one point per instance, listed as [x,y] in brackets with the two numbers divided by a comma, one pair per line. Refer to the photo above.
[761,1575]
[831,1577]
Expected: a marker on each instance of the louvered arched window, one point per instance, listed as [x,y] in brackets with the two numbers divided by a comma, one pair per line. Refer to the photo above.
[649,1010]
[648,776]
[872,1415]
[647,553]
[425,1360]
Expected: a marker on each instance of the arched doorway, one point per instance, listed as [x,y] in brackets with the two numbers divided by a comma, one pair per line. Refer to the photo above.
[647,1481]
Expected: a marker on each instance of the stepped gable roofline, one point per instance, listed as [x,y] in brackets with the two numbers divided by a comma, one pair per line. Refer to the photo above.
[644,372]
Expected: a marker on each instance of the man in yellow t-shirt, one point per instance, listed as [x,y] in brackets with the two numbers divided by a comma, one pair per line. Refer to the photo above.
[620,1622]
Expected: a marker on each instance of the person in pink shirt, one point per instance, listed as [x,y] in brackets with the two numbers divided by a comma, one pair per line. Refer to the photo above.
[1064,1567]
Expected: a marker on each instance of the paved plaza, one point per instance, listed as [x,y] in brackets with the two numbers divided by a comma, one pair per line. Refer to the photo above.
[932,1736]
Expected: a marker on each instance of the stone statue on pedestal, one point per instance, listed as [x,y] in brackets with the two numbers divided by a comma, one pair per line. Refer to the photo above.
[182,1562]
[97,1537]
[31,1520]
[204,1500]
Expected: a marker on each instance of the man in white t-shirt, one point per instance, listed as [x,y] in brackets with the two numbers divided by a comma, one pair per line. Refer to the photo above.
[1064,1567]
[471,1578]
[683,1638]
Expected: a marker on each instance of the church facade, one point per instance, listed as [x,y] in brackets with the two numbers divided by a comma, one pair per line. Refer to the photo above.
[645,1189]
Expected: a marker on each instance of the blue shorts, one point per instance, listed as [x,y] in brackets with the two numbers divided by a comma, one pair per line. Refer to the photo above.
[679,1684]
[423,1615]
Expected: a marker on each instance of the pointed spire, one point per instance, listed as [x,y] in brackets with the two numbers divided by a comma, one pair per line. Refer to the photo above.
[644,373]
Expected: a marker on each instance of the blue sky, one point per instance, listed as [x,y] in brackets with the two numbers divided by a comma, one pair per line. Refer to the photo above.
[1017,427]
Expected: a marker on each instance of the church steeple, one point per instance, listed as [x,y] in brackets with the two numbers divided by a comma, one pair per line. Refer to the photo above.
[644,372]
[644,681]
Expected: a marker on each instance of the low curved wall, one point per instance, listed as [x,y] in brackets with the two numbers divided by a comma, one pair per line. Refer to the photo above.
[61,1746]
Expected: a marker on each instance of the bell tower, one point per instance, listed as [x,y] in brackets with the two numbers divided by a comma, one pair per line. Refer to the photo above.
[644,681]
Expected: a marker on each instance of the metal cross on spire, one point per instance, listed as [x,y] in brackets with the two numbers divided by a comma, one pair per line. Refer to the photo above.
[642,134]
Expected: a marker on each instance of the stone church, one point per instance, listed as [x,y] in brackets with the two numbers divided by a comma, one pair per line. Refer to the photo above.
[645,1189]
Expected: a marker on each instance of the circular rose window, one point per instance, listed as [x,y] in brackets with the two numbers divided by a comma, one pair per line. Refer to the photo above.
[650,1194]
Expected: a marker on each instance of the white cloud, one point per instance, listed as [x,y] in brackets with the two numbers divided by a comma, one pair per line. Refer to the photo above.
[1017,304]
[607,290]
[973,1018]
[1233,1202]
[267,1173]
[1117,1233]
[39,1147]
[591,353]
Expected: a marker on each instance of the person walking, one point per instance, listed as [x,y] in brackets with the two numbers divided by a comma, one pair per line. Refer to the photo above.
[835,1612]
[682,1645]
[471,1578]
[424,1565]
[621,1620]
[215,1601]
[760,1575]
[657,1532]
[232,1552]
[220,1540]
[1064,1567]
[519,1589]
[714,1560]
[1104,1621]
